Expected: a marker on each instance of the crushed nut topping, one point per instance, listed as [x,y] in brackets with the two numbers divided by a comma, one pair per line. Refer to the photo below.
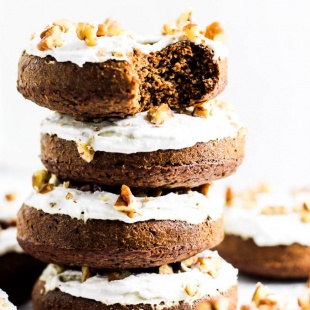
[50,38]
[177,26]
[229,196]
[109,28]
[86,151]
[86,274]
[204,109]
[204,189]
[87,32]
[304,298]
[190,261]
[210,265]
[264,299]
[10,196]
[274,210]
[220,304]
[46,188]
[39,179]
[65,25]
[69,196]
[126,202]
[191,289]
[215,32]
[165,269]
[158,115]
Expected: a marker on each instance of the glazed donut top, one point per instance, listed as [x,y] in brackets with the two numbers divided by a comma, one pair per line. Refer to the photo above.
[4,302]
[162,290]
[194,208]
[137,134]
[270,218]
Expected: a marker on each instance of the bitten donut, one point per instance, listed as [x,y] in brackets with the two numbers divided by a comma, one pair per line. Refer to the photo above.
[100,229]
[18,270]
[5,304]
[111,73]
[267,233]
[198,282]
[182,151]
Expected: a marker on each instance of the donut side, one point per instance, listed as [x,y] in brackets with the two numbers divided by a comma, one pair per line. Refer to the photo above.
[187,167]
[282,261]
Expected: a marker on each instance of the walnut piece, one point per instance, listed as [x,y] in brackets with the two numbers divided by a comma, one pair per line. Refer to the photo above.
[126,202]
[109,28]
[204,109]
[204,189]
[165,269]
[46,188]
[40,178]
[215,32]
[274,210]
[88,33]
[264,299]
[10,196]
[86,274]
[69,196]
[158,115]
[229,196]
[191,31]
[86,151]
[177,26]
[304,298]
[210,265]
[191,289]
[65,25]
[51,37]
[190,261]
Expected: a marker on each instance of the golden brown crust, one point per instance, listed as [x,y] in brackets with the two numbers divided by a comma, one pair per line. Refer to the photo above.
[188,167]
[112,244]
[291,262]
[120,88]
[59,300]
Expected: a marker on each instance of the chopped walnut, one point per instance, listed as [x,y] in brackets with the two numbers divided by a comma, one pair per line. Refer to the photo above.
[191,289]
[274,210]
[204,189]
[264,299]
[46,188]
[158,115]
[69,196]
[86,151]
[118,275]
[177,26]
[10,196]
[305,212]
[126,202]
[65,25]
[40,178]
[215,32]
[204,109]
[88,33]
[191,31]
[109,28]
[86,274]
[50,38]
[229,196]
[190,261]
[304,298]
[165,269]
[210,265]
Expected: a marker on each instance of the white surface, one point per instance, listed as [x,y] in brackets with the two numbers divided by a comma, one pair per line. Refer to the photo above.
[269,74]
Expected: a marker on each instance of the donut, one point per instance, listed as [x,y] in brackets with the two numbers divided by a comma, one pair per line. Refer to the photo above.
[69,226]
[170,287]
[120,75]
[184,151]
[267,233]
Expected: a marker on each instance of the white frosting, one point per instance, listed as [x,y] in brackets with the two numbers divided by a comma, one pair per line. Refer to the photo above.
[193,207]
[269,230]
[146,288]
[9,209]
[8,241]
[4,302]
[115,47]
[137,134]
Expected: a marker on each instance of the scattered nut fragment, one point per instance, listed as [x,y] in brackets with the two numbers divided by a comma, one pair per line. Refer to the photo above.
[274,210]
[158,115]
[50,38]
[189,262]
[66,184]
[126,202]
[220,304]
[191,31]
[178,24]
[229,196]
[215,32]
[210,265]
[204,109]
[204,189]
[109,28]
[86,151]
[69,196]
[86,274]
[304,298]
[46,188]
[88,33]
[118,275]
[10,196]
[305,213]
[65,25]
[39,179]
[264,299]
[191,289]
[54,180]
[165,269]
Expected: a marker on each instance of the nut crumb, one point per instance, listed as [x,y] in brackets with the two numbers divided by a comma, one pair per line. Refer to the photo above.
[158,115]
[46,188]
[10,196]
[204,109]
[69,196]
[109,28]
[215,32]
[65,25]
[86,274]
[88,33]
[210,265]
[86,151]
[51,37]
[126,202]
[165,269]
[204,189]
[191,289]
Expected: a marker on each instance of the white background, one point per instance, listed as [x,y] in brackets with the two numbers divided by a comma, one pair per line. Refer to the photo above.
[269,74]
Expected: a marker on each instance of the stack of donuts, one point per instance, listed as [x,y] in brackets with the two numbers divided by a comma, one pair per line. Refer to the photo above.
[125,212]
